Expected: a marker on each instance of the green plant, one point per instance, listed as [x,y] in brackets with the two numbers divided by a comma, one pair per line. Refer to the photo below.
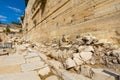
[8,29]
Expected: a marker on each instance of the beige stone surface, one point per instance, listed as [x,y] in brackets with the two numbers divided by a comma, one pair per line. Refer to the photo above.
[20,76]
[11,60]
[10,69]
[32,66]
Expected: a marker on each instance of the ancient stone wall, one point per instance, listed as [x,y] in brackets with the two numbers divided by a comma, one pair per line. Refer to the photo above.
[51,19]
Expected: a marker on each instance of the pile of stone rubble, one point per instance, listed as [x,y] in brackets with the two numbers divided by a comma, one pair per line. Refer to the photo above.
[85,58]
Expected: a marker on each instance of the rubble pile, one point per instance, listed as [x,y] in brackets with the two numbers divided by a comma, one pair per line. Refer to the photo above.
[85,58]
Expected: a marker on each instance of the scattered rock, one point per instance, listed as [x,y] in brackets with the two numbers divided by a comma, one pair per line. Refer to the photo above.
[44,71]
[70,63]
[86,55]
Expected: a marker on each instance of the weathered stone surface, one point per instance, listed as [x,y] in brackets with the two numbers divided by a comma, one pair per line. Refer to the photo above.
[11,60]
[10,69]
[78,61]
[70,63]
[33,59]
[53,77]
[86,55]
[32,66]
[21,76]
[56,64]
[86,71]
[31,54]
[100,74]
[72,76]
[86,48]
[44,71]
[43,56]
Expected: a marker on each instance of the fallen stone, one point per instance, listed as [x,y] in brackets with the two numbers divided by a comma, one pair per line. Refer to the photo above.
[44,71]
[70,63]
[21,76]
[86,71]
[56,64]
[78,61]
[86,55]
[53,77]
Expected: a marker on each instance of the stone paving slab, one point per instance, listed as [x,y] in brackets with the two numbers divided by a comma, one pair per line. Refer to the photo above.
[20,76]
[10,69]
[32,66]
[11,60]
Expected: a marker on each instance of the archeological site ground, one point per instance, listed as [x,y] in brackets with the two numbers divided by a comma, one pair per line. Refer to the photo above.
[85,58]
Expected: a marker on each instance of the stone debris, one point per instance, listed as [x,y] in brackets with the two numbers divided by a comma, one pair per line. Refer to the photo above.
[85,58]
[86,55]
[70,63]
[44,71]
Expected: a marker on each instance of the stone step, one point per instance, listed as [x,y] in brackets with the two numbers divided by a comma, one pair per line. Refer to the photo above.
[21,76]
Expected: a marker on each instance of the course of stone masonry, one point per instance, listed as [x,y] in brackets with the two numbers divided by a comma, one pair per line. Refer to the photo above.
[85,58]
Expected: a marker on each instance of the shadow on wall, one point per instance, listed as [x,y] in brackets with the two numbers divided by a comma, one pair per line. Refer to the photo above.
[43,4]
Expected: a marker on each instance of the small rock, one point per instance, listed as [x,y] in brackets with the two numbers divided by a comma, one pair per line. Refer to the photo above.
[115,61]
[86,55]
[88,39]
[44,71]
[70,63]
